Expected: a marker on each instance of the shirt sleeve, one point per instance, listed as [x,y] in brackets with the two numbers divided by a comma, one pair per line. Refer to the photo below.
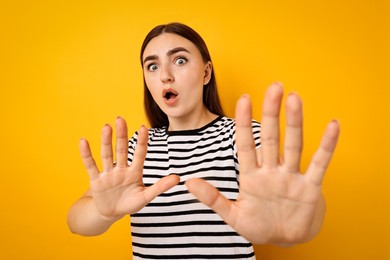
[132,144]
[256,130]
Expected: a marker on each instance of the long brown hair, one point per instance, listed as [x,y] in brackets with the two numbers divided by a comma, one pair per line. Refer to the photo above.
[155,116]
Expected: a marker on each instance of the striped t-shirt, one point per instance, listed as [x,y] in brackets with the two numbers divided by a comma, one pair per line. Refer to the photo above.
[175,225]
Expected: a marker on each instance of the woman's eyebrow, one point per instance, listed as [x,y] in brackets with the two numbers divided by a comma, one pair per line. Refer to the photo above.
[176,50]
[169,53]
[151,57]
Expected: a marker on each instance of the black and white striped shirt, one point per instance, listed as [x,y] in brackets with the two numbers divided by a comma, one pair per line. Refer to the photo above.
[175,225]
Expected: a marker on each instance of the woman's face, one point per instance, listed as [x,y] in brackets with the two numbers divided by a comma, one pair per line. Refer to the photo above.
[175,73]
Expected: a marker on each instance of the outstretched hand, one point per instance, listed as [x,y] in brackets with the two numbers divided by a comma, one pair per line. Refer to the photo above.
[119,190]
[276,203]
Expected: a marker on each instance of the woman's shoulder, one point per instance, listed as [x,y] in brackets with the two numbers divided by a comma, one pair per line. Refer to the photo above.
[154,133]
[229,122]
[157,131]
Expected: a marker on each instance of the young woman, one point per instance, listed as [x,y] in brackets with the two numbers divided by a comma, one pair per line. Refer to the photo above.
[197,184]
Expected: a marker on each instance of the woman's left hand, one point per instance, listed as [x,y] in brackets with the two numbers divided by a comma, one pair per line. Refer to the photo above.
[276,203]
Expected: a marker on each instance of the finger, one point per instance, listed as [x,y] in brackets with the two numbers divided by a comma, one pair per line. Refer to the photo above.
[106,150]
[244,135]
[140,149]
[121,147]
[259,157]
[323,155]
[270,125]
[211,197]
[161,186]
[293,138]
[88,161]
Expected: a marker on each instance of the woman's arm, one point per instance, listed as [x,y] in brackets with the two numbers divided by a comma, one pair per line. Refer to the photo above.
[84,218]
[276,204]
[117,190]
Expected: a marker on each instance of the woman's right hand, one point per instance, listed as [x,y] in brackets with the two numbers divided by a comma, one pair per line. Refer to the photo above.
[119,190]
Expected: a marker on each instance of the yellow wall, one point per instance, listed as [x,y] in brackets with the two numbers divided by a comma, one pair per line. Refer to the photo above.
[68,67]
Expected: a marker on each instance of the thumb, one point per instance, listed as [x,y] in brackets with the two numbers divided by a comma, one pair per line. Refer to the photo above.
[211,197]
[161,186]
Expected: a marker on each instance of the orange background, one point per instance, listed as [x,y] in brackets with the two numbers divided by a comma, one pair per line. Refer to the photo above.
[69,67]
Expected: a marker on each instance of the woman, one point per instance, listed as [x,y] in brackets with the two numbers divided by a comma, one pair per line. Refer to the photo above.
[194,154]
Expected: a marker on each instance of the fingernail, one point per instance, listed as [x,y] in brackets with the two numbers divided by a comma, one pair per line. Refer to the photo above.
[336,121]
[292,94]
[278,83]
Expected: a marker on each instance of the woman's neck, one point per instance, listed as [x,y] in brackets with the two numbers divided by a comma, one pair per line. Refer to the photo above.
[191,122]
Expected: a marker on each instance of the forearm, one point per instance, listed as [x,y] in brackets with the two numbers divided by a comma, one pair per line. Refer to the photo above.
[84,218]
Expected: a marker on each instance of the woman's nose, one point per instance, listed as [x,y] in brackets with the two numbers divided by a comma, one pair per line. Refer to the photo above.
[166,74]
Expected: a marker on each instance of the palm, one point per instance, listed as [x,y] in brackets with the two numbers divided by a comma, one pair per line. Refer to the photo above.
[276,204]
[118,192]
[119,189]
[285,202]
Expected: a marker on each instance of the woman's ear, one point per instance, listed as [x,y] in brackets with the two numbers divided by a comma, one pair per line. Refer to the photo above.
[207,73]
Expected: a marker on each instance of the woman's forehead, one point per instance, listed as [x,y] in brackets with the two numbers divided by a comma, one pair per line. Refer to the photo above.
[165,42]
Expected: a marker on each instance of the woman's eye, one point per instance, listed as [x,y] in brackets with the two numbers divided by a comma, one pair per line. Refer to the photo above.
[152,67]
[181,61]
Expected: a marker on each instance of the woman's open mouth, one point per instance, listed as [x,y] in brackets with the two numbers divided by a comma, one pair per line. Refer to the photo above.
[169,96]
